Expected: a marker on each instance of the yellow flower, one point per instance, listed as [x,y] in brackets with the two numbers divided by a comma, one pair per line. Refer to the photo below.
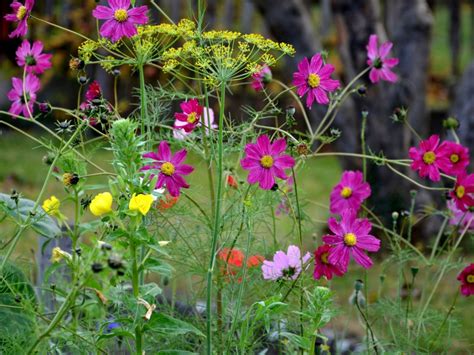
[58,254]
[101,204]
[51,206]
[140,203]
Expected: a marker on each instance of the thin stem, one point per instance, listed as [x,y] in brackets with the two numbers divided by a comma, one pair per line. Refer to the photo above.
[217,220]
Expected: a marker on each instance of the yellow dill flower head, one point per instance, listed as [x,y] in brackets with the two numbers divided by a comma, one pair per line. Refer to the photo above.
[86,49]
[108,64]
[58,254]
[288,49]
[51,206]
[141,203]
[169,65]
[101,204]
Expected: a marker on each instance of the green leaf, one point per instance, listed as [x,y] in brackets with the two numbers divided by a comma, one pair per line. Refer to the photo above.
[41,222]
[175,352]
[167,325]
[150,289]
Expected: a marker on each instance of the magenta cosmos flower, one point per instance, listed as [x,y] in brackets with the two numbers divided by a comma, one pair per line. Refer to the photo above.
[463,191]
[349,193]
[189,118]
[379,62]
[467,280]
[458,157]
[459,217]
[351,237]
[262,77]
[20,15]
[16,96]
[30,57]
[207,121]
[429,158]
[285,266]
[314,79]
[322,266]
[265,161]
[170,167]
[121,21]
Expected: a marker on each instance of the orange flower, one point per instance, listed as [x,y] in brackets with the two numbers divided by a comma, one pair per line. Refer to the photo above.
[232,182]
[168,202]
[255,260]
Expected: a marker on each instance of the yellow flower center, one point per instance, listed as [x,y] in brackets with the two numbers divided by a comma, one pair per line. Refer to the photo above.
[192,117]
[454,158]
[20,14]
[167,168]
[121,15]
[314,80]
[429,157]
[346,192]
[266,161]
[350,239]
[460,191]
[470,279]
[324,258]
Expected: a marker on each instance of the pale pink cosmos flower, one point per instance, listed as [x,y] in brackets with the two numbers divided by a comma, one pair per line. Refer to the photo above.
[459,217]
[20,14]
[207,120]
[265,161]
[314,79]
[349,193]
[171,169]
[120,21]
[429,158]
[285,266]
[262,77]
[30,57]
[351,237]
[17,97]
[379,62]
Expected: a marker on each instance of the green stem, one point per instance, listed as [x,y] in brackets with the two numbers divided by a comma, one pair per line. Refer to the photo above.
[26,224]
[217,220]
[136,293]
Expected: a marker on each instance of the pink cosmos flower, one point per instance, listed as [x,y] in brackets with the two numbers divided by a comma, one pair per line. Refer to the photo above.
[379,62]
[459,217]
[322,267]
[314,79]
[16,96]
[30,57]
[208,121]
[189,118]
[264,76]
[170,167]
[20,14]
[349,193]
[265,161]
[285,266]
[467,280]
[121,21]
[458,157]
[429,158]
[351,237]
[463,191]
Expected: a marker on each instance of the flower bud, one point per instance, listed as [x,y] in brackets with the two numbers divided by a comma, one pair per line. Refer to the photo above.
[359,285]
[414,271]
[70,179]
[82,80]
[116,72]
[97,267]
[362,90]
[76,64]
[451,123]
[115,262]
[395,215]
[44,107]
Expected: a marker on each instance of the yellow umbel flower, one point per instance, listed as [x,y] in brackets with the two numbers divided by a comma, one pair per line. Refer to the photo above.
[141,203]
[101,204]
[58,254]
[51,206]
